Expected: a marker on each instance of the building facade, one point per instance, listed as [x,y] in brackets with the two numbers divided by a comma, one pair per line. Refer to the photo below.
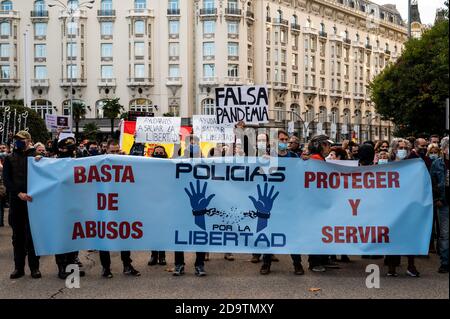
[166,57]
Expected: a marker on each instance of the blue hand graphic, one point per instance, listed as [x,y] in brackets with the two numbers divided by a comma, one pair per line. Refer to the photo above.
[199,203]
[264,205]
[265,201]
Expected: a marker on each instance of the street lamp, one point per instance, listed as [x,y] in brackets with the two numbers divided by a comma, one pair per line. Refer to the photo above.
[71,11]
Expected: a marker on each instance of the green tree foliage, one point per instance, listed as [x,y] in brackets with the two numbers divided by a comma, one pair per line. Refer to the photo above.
[111,110]
[79,113]
[91,130]
[412,92]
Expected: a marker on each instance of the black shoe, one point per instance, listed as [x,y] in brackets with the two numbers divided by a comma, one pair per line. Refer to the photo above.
[265,269]
[443,269]
[36,274]
[106,273]
[130,271]
[345,259]
[298,270]
[153,261]
[200,271]
[62,274]
[162,261]
[17,273]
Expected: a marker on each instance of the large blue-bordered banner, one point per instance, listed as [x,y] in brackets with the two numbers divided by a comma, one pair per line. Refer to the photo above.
[257,206]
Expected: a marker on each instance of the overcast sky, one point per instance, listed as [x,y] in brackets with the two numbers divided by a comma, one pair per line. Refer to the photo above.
[427,8]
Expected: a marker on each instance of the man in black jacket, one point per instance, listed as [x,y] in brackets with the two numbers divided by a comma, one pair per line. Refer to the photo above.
[15,179]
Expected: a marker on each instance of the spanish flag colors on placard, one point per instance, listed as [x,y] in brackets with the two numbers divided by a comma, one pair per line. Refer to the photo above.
[128,128]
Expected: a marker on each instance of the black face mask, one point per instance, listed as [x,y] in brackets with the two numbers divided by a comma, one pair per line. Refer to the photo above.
[422,152]
[159,156]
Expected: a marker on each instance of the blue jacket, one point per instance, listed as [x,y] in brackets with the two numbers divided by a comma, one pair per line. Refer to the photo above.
[438,175]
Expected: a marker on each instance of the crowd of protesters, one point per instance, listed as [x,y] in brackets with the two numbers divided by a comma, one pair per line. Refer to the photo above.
[433,150]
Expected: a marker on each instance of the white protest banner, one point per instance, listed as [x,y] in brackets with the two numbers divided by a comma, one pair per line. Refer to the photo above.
[344,163]
[207,130]
[158,130]
[242,103]
[55,122]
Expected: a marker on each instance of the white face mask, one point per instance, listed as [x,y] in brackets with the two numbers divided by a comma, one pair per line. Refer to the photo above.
[262,146]
[382,161]
[401,154]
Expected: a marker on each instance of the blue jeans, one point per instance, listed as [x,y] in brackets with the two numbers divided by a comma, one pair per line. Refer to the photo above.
[443,236]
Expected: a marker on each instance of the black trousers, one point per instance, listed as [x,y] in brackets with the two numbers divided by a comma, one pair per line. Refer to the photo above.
[317,260]
[66,259]
[105,258]
[296,259]
[394,261]
[21,239]
[199,260]
[158,254]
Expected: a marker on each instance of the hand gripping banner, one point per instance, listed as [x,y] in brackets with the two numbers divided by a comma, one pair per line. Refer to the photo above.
[280,206]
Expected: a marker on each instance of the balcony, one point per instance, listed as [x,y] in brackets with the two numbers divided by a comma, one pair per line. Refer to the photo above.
[309,89]
[173,11]
[9,14]
[347,95]
[323,91]
[106,13]
[107,82]
[138,81]
[250,82]
[280,21]
[282,86]
[233,58]
[208,11]
[250,15]
[347,41]
[336,93]
[295,88]
[80,14]
[74,82]
[233,13]
[323,34]
[268,19]
[295,27]
[40,83]
[140,13]
[309,30]
[9,83]
[40,14]
[209,81]
[368,47]
[174,81]
[335,37]
[358,44]
[358,96]
[233,81]
[387,52]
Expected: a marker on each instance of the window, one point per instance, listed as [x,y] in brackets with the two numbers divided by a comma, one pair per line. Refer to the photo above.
[5,72]
[208,4]
[322,27]
[42,107]
[322,83]
[208,107]
[107,50]
[72,28]
[6,6]
[233,49]
[72,4]
[232,4]
[40,72]
[106,28]
[139,70]
[140,4]
[141,105]
[107,71]
[71,50]
[174,49]
[106,5]
[40,29]
[233,70]
[209,49]
[174,27]
[294,59]
[279,107]
[209,70]
[139,27]
[283,36]
[40,50]
[233,28]
[139,50]
[174,71]
[39,5]
[5,28]
[174,4]
[209,27]
[4,50]
[283,56]
[72,71]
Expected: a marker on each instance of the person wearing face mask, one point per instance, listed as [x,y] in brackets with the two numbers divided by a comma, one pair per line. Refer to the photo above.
[380,147]
[158,257]
[283,151]
[113,148]
[192,151]
[401,150]
[433,152]
[15,178]
[383,157]
[441,192]
[93,149]
[40,149]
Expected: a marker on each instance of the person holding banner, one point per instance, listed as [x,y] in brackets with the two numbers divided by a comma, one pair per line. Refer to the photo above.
[113,148]
[401,150]
[283,151]
[158,257]
[192,151]
[15,178]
